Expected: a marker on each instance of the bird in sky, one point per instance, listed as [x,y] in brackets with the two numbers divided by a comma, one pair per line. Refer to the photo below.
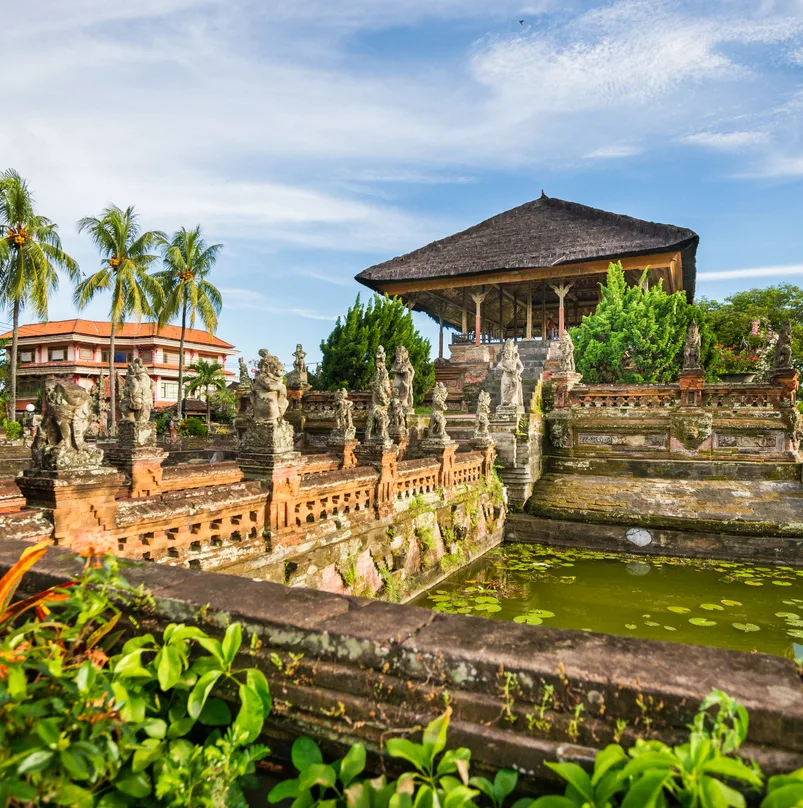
[521,22]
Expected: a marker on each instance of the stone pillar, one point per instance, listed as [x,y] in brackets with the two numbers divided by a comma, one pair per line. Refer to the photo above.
[691,383]
[446,473]
[787,380]
[562,384]
[283,484]
[138,457]
[529,332]
[561,290]
[478,298]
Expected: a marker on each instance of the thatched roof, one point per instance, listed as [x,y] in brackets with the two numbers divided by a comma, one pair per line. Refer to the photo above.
[542,233]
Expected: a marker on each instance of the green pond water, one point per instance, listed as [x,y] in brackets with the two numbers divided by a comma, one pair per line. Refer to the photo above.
[719,603]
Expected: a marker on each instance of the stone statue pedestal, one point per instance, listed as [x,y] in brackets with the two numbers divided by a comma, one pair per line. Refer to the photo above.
[436,446]
[344,449]
[508,413]
[267,446]
[691,383]
[562,383]
[385,458]
[63,457]
[138,457]
[787,380]
[80,502]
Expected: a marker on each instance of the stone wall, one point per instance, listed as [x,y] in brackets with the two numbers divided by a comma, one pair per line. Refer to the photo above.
[346,669]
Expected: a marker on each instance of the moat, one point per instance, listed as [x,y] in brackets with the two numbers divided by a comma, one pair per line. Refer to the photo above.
[714,603]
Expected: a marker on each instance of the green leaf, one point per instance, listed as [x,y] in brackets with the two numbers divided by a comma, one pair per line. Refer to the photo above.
[455,760]
[74,796]
[305,753]
[484,785]
[113,800]
[180,727]
[75,764]
[200,693]
[788,796]
[155,728]
[435,736]
[702,621]
[644,793]
[256,679]
[149,752]
[85,677]
[170,668]
[35,762]
[250,718]
[135,785]
[317,774]
[231,643]
[17,682]
[733,768]
[612,755]
[214,647]
[48,730]
[547,802]
[358,795]
[575,776]
[407,750]
[353,763]
[424,798]
[746,626]
[283,791]
[504,783]
[216,713]
[717,795]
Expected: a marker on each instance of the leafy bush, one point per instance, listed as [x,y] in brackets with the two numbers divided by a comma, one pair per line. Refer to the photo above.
[636,335]
[162,424]
[84,726]
[13,429]
[193,428]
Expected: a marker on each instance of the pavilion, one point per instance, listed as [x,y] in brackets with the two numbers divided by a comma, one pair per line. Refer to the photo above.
[509,276]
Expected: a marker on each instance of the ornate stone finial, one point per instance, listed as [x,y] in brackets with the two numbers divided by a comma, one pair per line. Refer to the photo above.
[136,401]
[437,420]
[245,377]
[268,432]
[59,443]
[691,349]
[510,364]
[297,378]
[376,427]
[482,432]
[782,356]
[397,416]
[566,353]
[344,424]
[403,375]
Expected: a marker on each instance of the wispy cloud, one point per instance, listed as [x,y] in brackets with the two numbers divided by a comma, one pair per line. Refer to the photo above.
[240,299]
[727,141]
[613,152]
[755,272]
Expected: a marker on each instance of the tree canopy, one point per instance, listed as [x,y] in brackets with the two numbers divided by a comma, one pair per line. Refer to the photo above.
[732,320]
[349,350]
[636,335]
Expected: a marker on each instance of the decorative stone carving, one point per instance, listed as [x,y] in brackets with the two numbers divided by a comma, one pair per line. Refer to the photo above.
[297,378]
[560,434]
[566,353]
[482,431]
[268,431]
[245,376]
[437,438]
[376,427]
[100,407]
[136,401]
[403,375]
[782,357]
[512,369]
[691,349]
[344,424]
[397,417]
[59,442]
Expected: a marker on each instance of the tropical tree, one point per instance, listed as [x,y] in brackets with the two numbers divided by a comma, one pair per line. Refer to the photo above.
[126,256]
[349,350]
[30,253]
[186,291]
[208,376]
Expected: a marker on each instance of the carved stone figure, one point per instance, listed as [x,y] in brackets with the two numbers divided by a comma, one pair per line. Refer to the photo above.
[245,376]
[481,427]
[403,375]
[344,425]
[59,442]
[267,431]
[691,350]
[136,401]
[397,416]
[100,407]
[567,353]
[437,421]
[782,358]
[297,378]
[512,368]
[376,427]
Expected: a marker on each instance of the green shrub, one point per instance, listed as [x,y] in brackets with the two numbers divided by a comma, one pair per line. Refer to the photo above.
[193,428]
[13,429]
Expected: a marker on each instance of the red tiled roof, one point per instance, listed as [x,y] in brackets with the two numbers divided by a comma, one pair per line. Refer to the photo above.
[95,328]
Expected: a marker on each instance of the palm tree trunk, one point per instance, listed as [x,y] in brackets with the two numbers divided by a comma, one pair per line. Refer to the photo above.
[12,380]
[208,409]
[112,384]
[179,406]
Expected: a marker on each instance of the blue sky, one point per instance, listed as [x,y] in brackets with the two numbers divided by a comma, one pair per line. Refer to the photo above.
[317,138]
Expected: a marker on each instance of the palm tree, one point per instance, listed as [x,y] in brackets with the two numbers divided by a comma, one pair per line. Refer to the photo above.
[126,256]
[207,375]
[188,260]
[30,252]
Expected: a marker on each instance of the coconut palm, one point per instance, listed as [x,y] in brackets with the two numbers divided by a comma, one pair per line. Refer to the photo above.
[208,375]
[126,255]
[187,261]
[30,253]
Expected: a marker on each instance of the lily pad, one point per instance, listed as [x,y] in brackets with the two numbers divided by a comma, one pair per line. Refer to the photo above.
[678,609]
[670,628]
[712,607]
[543,613]
[790,615]
[795,632]
[782,583]
[530,619]
[651,623]
[753,583]
[631,626]
[702,621]
[746,626]
[731,602]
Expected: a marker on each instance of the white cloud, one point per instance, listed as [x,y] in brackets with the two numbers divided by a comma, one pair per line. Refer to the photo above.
[756,272]
[613,152]
[727,141]
[243,299]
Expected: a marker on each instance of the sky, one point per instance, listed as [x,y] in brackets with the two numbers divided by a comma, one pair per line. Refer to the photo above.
[314,139]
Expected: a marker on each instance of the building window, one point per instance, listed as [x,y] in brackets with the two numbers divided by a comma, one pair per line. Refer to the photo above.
[28,388]
[57,354]
[87,353]
[146,356]
[171,358]
[169,391]
[25,356]
[123,357]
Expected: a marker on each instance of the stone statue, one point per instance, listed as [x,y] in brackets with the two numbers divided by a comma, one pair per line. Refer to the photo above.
[100,407]
[782,358]
[481,427]
[376,427]
[397,416]
[59,442]
[297,378]
[403,374]
[567,353]
[136,401]
[512,368]
[268,391]
[245,376]
[691,350]
[437,421]
[344,424]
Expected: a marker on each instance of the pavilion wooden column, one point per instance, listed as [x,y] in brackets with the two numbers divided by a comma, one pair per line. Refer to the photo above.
[515,317]
[440,334]
[528,334]
[478,297]
[561,290]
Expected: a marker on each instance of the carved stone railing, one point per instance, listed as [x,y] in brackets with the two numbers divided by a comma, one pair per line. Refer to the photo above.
[327,496]
[417,477]
[624,395]
[468,468]
[722,395]
[322,402]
